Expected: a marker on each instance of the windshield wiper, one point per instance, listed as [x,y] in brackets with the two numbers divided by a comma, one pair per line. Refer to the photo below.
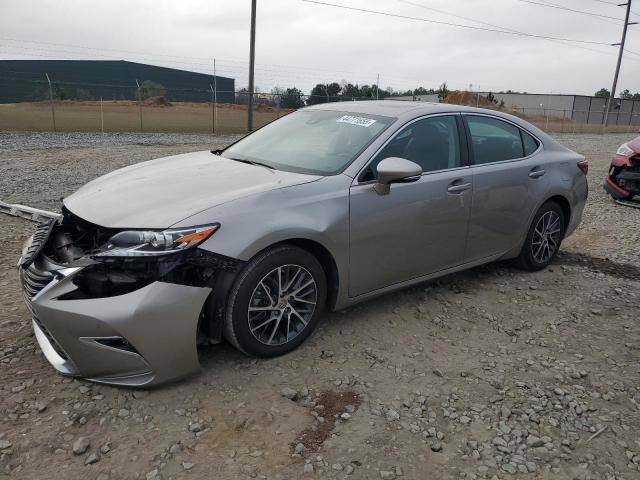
[252,162]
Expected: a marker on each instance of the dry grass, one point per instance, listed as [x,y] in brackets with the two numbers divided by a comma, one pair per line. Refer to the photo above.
[124,116]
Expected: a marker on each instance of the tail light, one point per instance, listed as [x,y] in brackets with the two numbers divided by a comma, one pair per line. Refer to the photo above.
[584,166]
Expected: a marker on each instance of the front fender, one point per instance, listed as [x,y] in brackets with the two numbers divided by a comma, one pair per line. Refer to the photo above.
[316,211]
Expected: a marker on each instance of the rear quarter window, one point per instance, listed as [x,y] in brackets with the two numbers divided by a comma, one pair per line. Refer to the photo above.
[529,143]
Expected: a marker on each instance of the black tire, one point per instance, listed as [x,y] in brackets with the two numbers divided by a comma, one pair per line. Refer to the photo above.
[237,330]
[527,259]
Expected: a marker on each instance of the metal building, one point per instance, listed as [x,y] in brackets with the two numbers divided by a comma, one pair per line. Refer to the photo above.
[26,81]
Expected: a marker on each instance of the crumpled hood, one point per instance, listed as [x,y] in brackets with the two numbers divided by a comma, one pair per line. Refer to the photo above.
[160,193]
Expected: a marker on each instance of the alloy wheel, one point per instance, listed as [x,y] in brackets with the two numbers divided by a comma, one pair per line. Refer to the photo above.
[546,237]
[282,304]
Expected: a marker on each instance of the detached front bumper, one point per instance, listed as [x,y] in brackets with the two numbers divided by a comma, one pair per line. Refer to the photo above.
[141,338]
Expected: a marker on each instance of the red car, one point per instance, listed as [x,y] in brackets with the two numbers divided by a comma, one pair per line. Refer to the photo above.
[623,179]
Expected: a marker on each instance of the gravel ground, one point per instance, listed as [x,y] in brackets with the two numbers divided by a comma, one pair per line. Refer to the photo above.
[490,373]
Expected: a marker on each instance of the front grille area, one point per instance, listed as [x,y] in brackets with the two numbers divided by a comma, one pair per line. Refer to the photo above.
[52,340]
[33,281]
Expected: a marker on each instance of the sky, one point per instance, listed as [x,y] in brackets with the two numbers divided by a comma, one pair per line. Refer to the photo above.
[300,43]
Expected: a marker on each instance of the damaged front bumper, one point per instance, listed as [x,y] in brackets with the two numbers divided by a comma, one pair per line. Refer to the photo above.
[123,322]
[623,179]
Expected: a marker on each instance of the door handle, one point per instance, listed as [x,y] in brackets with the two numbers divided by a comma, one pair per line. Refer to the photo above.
[537,172]
[458,187]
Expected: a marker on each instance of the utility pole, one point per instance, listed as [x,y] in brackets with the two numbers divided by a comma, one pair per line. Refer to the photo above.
[252,61]
[621,44]
[377,86]
[53,111]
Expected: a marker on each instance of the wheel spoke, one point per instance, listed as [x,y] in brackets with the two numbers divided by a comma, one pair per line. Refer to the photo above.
[292,280]
[288,326]
[302,300]
[263,309]
[266,322]
[299,289]
[537,252]
[275,327]
[295,312]
[280,292]
[268,292]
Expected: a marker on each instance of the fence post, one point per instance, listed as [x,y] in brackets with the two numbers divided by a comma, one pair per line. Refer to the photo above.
[140,103]
[213,114]
[546,119]
[101,117]
[53,110]
[215,97]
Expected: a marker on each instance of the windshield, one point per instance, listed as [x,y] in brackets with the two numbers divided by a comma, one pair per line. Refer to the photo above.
[310,141]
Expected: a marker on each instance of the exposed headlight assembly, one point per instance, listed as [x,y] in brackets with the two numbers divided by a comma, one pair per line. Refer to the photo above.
[138,243]
[625,151]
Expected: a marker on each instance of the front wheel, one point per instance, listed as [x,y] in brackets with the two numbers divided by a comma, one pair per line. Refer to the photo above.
[276,302]
[543,239]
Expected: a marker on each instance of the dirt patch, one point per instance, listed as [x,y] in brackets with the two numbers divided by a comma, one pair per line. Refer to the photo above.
[330,407]
[601,265]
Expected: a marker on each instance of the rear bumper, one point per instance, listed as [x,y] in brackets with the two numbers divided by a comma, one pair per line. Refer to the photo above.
[142,338]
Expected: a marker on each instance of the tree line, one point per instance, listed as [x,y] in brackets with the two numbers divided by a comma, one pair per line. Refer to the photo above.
[623,95]
[333,92]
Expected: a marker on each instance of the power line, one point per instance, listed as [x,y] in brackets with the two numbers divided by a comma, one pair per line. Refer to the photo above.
[449,24]
[614,4]
[605,2]
[419,5]
[560,7]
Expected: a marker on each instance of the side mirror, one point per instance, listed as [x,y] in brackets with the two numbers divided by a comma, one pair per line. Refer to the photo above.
[395,170]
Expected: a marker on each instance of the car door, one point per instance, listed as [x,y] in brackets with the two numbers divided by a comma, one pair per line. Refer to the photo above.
[509,179]
[419,227]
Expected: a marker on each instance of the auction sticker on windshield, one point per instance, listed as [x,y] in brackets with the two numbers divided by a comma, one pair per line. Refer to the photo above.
[360,121]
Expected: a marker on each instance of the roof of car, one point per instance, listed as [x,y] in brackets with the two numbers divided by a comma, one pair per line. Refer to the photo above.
[395,108]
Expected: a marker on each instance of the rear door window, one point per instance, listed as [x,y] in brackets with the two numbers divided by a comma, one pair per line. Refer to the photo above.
[494,140]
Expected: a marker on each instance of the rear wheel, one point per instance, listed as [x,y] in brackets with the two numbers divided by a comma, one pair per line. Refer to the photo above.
[543,239]
[275,302]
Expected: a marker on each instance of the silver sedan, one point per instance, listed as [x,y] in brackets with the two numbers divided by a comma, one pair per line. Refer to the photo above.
[326,207]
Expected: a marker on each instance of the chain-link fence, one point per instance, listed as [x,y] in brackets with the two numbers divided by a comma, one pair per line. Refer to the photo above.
[148,106]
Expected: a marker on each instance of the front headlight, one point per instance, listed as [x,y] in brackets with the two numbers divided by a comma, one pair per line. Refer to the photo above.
[625,151]
[137,243]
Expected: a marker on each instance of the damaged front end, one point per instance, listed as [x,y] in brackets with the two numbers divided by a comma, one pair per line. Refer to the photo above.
[623,179]
[123,307]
